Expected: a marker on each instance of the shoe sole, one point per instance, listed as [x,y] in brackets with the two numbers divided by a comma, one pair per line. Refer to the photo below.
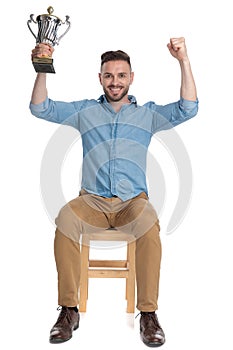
[58,341]
[153,345]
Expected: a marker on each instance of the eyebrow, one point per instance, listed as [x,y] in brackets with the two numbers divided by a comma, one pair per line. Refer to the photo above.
[117,73]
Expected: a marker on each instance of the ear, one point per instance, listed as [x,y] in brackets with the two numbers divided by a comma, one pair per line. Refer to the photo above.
[131,77]
[100,78]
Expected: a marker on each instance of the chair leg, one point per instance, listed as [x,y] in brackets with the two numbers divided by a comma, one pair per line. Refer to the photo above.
[130,281]
[84,275]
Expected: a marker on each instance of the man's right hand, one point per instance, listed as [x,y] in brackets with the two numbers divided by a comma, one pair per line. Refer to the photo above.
[42,50]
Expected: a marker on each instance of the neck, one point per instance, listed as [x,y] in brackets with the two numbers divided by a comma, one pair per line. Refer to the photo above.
[116,105]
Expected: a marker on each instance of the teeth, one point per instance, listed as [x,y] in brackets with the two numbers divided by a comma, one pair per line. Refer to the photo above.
[115,89]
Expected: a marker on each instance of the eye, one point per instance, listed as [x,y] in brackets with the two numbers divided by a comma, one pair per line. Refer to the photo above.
[107,76]
[122,75]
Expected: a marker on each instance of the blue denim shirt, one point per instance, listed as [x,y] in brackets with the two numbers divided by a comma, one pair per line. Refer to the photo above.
[115,144]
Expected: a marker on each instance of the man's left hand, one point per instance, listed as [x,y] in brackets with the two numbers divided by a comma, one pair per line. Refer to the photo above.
[178,49]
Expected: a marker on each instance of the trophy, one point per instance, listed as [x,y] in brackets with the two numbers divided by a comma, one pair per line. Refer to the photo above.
[48,27]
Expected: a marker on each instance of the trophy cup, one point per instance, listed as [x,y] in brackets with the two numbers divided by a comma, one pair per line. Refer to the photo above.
[48,26]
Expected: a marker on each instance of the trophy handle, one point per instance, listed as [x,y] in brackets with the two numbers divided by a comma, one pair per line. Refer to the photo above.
[28,23]
[67,22]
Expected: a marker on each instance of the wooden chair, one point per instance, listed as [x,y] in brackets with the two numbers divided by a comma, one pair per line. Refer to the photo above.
[108,268]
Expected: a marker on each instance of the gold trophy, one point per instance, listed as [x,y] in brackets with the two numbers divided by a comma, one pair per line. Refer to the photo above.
[48,28]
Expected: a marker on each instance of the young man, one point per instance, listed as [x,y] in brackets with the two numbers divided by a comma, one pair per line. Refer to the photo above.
[116,133]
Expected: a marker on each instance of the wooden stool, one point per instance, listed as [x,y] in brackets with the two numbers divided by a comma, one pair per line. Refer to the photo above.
[108,268]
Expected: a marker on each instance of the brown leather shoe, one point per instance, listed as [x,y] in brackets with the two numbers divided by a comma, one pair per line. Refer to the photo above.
[150,330]
[67,322]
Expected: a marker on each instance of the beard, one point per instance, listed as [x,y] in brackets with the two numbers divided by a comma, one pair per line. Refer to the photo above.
[111,97]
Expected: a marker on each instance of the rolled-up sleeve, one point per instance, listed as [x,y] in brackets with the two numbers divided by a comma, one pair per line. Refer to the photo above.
[57,112]
[188,108]
[173,114]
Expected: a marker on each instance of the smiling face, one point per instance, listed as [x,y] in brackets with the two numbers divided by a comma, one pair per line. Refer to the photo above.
[116,78]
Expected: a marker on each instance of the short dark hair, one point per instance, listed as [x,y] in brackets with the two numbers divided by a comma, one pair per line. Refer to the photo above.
[118,55]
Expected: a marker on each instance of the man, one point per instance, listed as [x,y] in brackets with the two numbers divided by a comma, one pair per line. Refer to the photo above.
[116,133]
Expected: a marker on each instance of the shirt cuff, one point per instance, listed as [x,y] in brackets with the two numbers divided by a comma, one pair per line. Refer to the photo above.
[188,105]
[40,107]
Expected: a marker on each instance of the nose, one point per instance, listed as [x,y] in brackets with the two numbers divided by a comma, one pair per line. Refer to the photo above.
[115,79]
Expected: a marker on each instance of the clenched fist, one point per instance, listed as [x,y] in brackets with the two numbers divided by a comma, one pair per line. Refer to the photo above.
[42,50]
[178,49]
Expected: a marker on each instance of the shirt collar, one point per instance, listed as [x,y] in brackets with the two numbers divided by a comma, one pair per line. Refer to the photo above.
[102,99]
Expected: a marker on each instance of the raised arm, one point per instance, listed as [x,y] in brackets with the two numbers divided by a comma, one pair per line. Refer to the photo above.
[39,92]
[178,50]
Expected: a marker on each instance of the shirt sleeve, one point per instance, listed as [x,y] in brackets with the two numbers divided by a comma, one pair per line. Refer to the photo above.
[58,112]
[173,114]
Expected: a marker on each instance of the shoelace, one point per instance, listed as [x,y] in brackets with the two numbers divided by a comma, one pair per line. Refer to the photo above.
[64,315]
[145,313]
[150,318]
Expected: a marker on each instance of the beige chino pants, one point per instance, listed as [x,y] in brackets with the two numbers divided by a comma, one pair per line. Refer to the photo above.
[90,213]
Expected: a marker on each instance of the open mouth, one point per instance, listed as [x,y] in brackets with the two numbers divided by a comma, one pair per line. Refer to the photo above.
[115,90]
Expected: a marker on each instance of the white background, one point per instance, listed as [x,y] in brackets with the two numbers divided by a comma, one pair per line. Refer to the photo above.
[195,304]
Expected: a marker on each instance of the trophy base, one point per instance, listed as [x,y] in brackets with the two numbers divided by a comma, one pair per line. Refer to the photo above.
[43,65]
